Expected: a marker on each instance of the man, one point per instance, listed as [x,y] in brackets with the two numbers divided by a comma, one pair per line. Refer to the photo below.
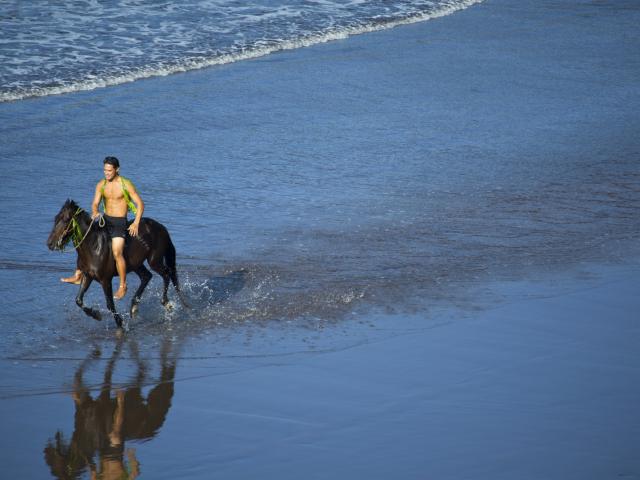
[118,195]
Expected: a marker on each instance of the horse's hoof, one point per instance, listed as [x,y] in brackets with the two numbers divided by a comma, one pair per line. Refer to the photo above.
[134,311]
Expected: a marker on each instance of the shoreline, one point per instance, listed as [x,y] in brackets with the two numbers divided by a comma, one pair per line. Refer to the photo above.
[191,65]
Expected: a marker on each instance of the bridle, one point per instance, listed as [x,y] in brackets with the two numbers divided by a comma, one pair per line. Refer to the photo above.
[74,227]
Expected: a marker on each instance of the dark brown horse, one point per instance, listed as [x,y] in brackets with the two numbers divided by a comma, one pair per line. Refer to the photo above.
[96,261]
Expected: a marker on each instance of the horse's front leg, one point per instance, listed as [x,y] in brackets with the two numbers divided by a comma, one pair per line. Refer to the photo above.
[84,286]
[107,288]
[145,276]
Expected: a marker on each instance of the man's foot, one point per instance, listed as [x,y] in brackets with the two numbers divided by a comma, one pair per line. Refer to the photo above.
[76,279]
[122,291]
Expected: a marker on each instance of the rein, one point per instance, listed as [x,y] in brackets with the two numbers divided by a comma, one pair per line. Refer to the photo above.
[76,231]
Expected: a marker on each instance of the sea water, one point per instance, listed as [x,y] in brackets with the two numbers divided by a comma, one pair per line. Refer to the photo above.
[310,192]
[389,184]
[49,48]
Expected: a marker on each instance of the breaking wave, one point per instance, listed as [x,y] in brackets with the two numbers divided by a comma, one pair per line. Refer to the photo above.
[52,50]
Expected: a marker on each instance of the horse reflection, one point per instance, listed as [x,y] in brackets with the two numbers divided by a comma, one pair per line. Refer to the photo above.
[103,425]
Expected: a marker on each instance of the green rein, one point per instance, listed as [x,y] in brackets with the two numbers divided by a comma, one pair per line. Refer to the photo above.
[76,232]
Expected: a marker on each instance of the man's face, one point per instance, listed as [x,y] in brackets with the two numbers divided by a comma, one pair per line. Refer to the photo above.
[109,171]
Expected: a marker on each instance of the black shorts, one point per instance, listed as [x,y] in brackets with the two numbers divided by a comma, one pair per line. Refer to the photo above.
[116,226]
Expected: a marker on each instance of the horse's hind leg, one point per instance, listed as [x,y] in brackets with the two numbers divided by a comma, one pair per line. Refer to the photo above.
[170,262]
[145,277]
[173,275]
[157,265]
[107,288]
[84,286]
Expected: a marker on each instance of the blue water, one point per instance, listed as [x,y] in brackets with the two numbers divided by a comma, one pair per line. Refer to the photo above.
[395,172]
[338,179]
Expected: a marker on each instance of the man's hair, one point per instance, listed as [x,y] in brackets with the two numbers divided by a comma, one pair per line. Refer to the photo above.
[112,161]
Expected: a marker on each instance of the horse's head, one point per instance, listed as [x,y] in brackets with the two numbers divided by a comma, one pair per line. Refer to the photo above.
[62,226]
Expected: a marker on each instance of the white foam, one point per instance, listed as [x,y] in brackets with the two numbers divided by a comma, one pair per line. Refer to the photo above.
[245,53]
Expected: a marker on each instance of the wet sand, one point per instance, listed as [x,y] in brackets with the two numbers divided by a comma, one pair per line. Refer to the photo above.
[540,380]
[526,371]
[543,385]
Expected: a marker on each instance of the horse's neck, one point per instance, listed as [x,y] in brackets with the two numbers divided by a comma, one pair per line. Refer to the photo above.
[84,220]
[91,234]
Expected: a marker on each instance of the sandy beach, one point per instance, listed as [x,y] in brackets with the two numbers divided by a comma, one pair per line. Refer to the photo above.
[412,253]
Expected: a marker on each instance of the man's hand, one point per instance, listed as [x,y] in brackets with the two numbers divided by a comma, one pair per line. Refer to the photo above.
[133,229]
[96,215]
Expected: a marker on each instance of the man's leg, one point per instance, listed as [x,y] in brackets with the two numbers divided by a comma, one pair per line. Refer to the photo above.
[117,247]
[76,278]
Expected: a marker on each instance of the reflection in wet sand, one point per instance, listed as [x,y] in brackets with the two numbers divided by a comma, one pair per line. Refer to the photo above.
[103,425]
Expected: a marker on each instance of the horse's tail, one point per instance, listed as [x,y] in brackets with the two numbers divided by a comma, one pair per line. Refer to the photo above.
[170,260]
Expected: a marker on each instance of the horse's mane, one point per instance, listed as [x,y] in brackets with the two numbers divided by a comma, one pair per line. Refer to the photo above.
[70,205]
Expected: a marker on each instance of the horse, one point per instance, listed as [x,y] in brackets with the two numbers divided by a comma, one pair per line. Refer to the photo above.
[95,258]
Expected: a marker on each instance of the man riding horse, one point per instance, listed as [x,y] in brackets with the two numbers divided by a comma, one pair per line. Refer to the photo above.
[118,194]
[102,251]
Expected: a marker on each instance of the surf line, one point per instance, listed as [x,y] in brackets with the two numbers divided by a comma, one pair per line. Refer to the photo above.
[245,54]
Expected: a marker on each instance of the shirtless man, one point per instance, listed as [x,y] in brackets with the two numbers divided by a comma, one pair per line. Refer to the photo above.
[117,193]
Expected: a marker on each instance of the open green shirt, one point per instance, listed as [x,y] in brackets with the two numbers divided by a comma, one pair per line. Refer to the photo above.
[127,197]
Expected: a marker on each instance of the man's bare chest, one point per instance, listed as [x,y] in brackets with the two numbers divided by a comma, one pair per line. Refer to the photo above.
[113,190]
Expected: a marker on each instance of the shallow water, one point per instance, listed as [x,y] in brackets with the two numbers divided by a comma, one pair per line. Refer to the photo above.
[309,192]
[315,199]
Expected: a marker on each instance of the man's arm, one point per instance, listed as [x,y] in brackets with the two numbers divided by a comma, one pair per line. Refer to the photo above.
[96,200]
[133,193]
